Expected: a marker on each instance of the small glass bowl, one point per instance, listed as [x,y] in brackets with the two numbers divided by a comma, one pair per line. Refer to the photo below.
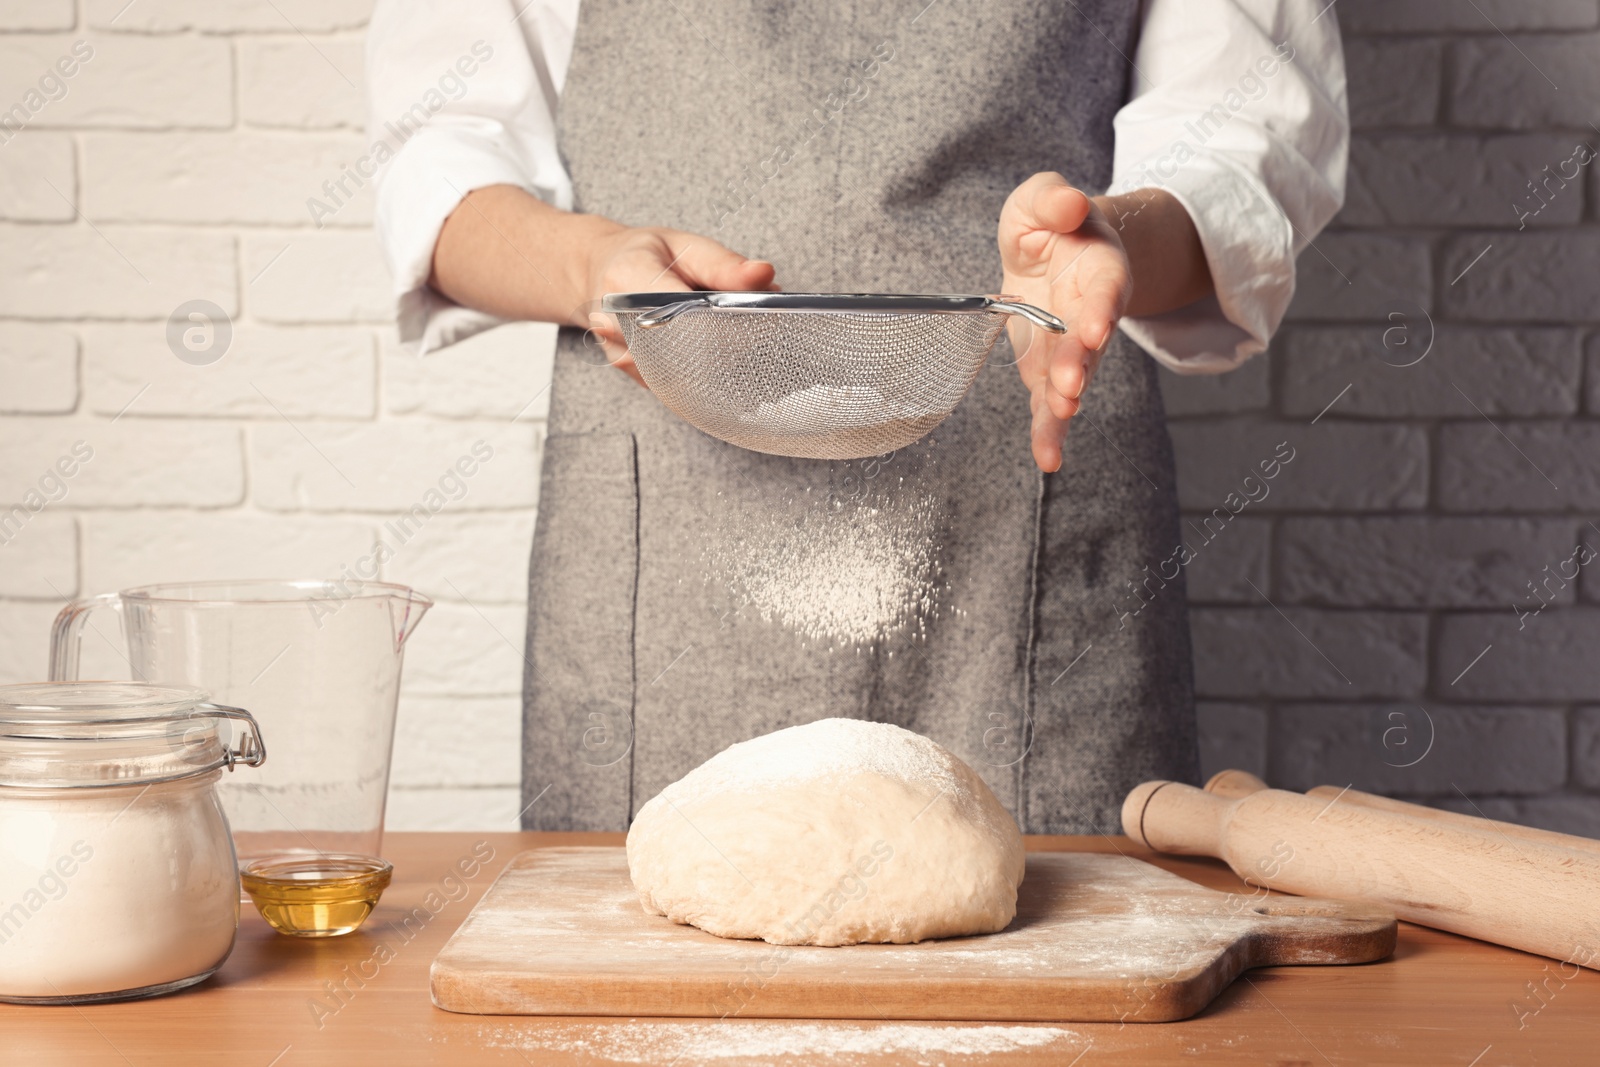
[325,895]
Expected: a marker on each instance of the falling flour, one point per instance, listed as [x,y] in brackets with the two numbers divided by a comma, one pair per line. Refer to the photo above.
[765,1042]
[845,572]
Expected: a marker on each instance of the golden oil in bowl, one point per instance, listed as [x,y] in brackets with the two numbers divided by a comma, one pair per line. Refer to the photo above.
[316,896]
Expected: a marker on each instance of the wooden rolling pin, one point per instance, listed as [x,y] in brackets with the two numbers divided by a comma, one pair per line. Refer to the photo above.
[1462,879]
[1243,783]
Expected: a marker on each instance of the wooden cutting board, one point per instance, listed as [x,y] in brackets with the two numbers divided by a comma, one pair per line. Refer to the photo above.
[1097,938]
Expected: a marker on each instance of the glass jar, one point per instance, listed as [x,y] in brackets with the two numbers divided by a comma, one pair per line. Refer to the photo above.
[117,871]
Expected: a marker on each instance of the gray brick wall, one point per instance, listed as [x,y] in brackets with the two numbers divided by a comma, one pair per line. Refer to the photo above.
[1360,625]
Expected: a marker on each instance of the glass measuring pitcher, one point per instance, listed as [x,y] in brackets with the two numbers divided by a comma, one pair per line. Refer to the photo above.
[317,663]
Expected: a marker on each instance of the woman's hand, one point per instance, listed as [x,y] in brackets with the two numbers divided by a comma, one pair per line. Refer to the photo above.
[506,252]
[1059,253]
[658,261]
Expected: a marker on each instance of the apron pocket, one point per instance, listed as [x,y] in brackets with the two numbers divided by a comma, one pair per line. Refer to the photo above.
[578,682]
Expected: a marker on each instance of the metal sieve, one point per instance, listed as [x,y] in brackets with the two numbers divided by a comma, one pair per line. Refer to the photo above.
[814,375]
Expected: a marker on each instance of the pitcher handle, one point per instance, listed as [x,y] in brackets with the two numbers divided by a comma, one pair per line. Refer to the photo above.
[66,636]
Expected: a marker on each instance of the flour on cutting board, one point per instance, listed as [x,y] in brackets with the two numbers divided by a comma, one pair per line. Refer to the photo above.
[1098,937]
[800,1042]
[1156,931]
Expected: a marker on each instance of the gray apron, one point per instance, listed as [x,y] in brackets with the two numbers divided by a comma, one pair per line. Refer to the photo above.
[686,594]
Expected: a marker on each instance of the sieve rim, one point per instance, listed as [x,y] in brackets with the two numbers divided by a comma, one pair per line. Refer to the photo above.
[735,300]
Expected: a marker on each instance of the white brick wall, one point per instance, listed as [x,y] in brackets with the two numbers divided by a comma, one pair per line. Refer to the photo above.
[312,276]
[177,167]
[39,183]
[289,83]
[129,81]
[36,15]
[225,177]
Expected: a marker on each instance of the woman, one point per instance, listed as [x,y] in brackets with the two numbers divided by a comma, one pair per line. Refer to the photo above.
[991,586]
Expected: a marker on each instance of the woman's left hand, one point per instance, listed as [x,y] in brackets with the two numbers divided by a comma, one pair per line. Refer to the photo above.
[1059,253]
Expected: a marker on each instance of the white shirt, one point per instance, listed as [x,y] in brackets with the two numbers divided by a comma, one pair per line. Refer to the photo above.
[1237,109]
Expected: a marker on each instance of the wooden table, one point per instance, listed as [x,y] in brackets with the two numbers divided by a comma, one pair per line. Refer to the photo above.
[363,999]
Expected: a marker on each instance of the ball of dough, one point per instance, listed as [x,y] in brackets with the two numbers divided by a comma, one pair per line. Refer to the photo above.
[832,833]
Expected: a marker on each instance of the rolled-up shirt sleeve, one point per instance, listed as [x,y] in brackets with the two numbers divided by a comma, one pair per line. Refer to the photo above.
[1238,110]
[462,97]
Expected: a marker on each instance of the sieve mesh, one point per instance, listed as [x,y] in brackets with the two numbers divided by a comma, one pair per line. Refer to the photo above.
[811,383]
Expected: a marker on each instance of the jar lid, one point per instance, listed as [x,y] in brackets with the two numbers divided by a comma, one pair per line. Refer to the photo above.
[98,734]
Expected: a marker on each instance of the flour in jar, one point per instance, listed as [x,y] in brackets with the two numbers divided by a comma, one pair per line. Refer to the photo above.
[112,889]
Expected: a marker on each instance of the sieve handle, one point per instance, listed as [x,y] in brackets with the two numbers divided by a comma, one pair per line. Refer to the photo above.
[663,315]
[1038,316]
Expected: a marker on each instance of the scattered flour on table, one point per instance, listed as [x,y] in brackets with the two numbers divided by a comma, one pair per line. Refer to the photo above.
[757,1042]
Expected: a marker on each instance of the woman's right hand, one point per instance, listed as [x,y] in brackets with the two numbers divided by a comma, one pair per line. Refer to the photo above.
[653,260]
[506,252]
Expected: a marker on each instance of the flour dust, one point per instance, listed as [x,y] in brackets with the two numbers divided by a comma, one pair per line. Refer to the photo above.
[840,1044]
[852,563]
